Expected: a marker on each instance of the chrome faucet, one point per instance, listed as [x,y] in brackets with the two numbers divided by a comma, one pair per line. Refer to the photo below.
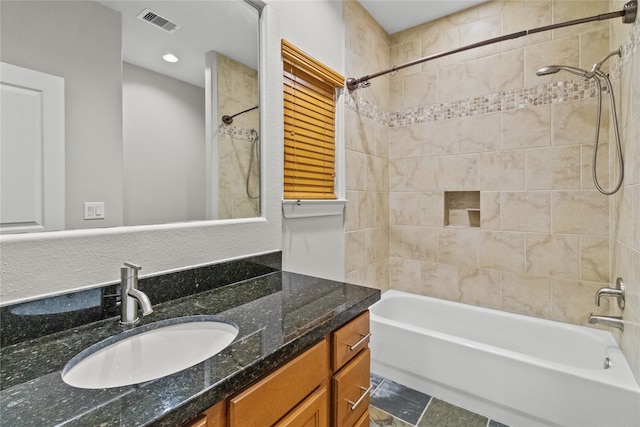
[131,295]
[617,292]
[612,321]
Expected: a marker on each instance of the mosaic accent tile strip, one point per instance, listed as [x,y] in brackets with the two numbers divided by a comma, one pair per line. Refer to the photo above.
[557,92]
[235,132]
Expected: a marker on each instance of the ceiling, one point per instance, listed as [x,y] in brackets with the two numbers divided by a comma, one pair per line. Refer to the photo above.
[398,15]
[227,27]
[231,28]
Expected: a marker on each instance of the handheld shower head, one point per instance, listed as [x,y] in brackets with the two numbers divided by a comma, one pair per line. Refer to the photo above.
[552,69]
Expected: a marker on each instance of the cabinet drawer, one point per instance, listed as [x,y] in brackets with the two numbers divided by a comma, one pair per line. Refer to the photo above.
[363,421]
[313,412]
[349,340]
[271,398]
[351,390]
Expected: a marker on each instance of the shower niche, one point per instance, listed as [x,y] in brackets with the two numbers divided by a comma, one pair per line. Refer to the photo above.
[462,208]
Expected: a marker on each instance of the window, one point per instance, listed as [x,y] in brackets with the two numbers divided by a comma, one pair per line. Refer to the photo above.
[310,89]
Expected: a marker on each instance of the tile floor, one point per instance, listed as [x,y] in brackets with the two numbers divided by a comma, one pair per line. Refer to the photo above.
[394,405]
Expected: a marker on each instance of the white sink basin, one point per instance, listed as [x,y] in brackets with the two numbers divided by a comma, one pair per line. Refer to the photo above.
[149,352]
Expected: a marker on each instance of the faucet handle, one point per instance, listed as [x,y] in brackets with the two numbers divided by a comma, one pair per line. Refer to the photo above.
[134,266]
[618,292]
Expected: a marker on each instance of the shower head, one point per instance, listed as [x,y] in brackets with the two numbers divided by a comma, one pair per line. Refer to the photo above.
[552,69]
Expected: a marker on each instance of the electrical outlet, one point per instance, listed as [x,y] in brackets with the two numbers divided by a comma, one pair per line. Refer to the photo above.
[93,210]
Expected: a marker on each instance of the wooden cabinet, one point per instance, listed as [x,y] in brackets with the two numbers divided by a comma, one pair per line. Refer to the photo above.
[271,398]
[312,412]
[327,385]
[350,381]
[216,416]
[351,391]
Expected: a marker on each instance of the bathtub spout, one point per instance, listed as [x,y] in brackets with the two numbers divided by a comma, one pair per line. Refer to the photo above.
[612,321]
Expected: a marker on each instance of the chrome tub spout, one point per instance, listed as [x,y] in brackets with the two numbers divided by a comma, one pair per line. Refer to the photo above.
[611,321]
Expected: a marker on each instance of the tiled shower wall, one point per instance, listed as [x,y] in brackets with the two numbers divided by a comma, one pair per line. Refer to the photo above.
[483,121]
[625,206]
[237,91]
[367,153]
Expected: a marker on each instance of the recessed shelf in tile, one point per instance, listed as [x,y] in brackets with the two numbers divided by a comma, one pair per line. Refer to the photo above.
[462,209]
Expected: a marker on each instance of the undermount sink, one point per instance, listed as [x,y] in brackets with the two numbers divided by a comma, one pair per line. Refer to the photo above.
[149,352]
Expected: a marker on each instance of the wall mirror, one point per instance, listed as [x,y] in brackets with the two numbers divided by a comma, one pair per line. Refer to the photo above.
[144,138]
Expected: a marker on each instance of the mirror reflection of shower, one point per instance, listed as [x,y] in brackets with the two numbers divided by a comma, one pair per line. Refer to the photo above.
[597,75]
[254,153]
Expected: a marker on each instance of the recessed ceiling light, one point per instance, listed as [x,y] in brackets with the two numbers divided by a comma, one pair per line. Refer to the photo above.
[170,57]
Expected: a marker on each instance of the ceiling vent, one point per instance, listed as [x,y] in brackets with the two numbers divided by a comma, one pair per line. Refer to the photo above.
[157,20]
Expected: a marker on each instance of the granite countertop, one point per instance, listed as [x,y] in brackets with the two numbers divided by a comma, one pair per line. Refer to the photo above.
[280,314]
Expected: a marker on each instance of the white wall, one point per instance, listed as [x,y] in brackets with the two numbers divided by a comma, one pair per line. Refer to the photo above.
[163,148]
[315,246]
[91,66]
[51,263]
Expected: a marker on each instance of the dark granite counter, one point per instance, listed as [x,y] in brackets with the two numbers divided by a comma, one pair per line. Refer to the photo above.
[279,314]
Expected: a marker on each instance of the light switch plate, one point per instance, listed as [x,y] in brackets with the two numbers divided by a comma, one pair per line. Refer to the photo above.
[93,210]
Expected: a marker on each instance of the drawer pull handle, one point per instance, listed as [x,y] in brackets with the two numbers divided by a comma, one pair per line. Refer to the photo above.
[355,404]
[363,339]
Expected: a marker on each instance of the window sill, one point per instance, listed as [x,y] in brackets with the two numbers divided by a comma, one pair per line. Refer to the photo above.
[312,208]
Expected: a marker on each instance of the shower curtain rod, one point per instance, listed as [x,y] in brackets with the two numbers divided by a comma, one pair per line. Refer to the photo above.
[628,14]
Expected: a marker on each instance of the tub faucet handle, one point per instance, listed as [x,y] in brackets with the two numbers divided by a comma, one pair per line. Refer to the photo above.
[617,292]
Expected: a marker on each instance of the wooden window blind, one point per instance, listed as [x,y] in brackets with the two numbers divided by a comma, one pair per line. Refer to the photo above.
[309,125]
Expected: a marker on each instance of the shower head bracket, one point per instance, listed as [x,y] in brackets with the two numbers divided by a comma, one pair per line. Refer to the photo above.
[630,12]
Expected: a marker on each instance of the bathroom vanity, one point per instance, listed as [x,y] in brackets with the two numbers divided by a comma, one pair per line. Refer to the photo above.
[330,381]
[300,354]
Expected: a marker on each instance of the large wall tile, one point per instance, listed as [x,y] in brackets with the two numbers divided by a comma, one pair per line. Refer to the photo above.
[414,174]
[529,295]
[491,74]
[565,205]
[458,172]
[459,246]
[553,255]
[575,122]
[439,280]
[559,51]
[553,168]
[526,211]
[573,300]
[479,287]
[490,210]
[594,258]
[526,128]
[502,251]
[416,209]
[411,242]
[502,170]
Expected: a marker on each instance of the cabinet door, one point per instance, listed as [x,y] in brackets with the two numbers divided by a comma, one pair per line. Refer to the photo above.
[351,391]
[310,413]
[201,421]
[271,398]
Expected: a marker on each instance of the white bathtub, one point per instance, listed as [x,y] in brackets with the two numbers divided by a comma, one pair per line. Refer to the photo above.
[519,370]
